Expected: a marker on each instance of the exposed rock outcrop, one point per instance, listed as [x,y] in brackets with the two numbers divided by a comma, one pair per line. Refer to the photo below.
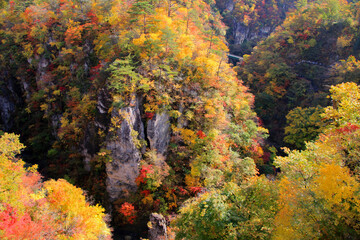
[157,227]
[158,132]
[7,108]
[125,153]
[242,32]
[89,146]
[91,143]
[243,35]
[42,71]
[126,142]
[8,100]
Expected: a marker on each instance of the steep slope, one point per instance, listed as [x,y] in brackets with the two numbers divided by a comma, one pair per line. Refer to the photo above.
[32,209]
[319,189]
[296,64]
[250,21]
[316,195]
[133,101]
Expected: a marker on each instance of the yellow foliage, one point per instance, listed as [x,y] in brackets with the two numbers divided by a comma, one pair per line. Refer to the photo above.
[346,104]
[70,201]
[186,46]
[148,200]
[10,145]
[44,107]
[61,205]
[140,41]
[210,109]
[192,180]
[40,49]
[335,184]
[28,50]
[344,41]
[57,92]
[151,107]
[188,136]
[12,172]
[284,227]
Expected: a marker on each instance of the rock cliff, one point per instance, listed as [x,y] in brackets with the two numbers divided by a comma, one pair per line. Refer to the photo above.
[127,145]
[157,227]
[123,143]
[158,132]
[248,27]
[9,99]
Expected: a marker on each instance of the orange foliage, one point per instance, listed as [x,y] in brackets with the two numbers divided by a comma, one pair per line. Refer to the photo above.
[52,210]
[128,211]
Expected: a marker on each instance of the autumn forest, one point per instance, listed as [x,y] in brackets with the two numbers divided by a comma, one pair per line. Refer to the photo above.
[179,119]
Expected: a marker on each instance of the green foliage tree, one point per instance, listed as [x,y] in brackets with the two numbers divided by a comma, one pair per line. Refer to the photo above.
[124,81]
[291,66]
[80,60]
[233,212]
[345,100]
[346,70]
[303,125]
[318,191]
[139,12]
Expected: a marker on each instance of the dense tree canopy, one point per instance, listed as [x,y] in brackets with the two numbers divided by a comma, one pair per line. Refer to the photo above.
[79,64]
[295,66]
[32,209]
[74,73]
[315,197]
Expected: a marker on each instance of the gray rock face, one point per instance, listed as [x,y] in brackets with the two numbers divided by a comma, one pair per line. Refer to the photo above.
[89,145]
[157,228]
[158,132]
[104,101]
[7,107]
[126,151]
[124,167]
[8,101]
[55,123]
[41,72]
[182,122]
[242,33]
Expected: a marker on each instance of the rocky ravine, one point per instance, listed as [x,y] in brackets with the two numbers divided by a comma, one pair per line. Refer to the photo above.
[126,149]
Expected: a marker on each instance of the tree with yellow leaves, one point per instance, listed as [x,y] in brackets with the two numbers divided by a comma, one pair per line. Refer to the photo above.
[30,209]
[319,189]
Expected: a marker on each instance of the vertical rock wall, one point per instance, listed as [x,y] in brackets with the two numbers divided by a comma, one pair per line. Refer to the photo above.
[124,167]
[251,33]
[158,132]
[242,33]
[126,151]
[7,108]
[9,99]
[158,227]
